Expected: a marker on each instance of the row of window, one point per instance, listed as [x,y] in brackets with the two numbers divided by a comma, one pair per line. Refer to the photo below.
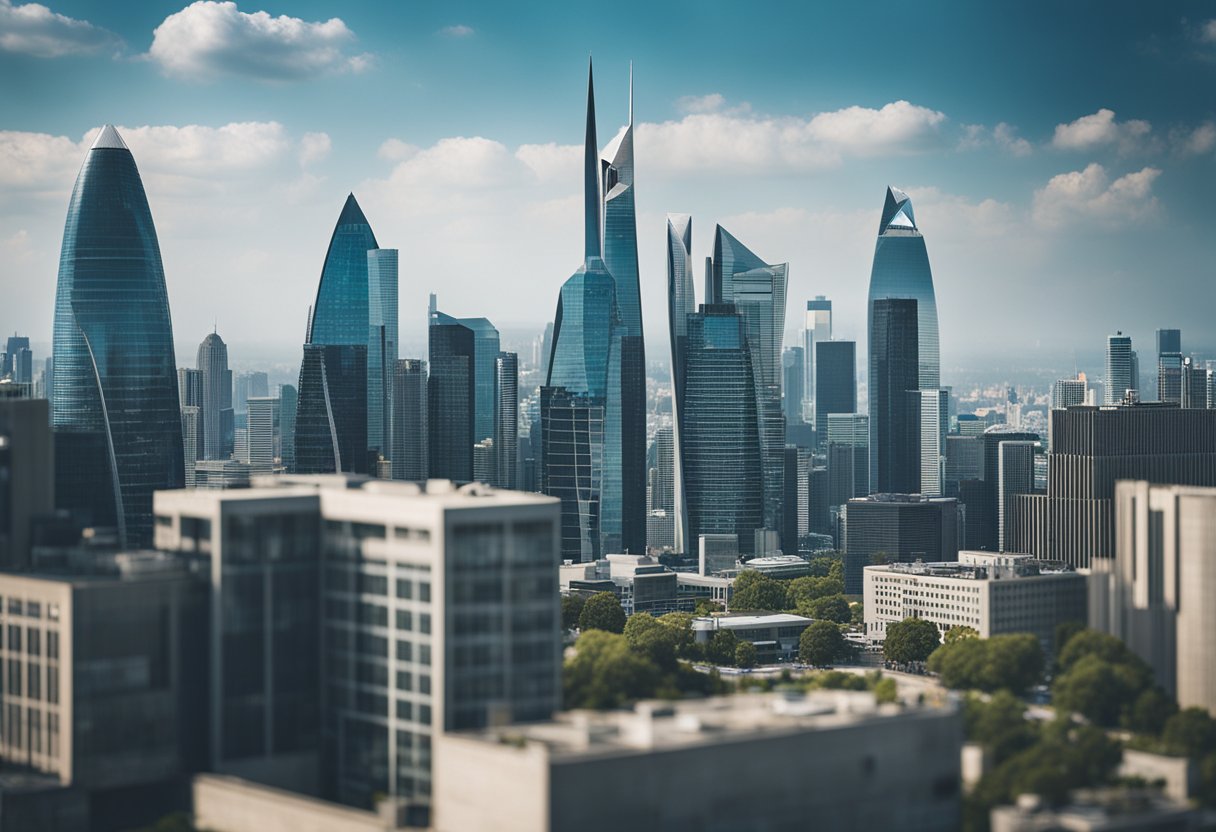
[29,609]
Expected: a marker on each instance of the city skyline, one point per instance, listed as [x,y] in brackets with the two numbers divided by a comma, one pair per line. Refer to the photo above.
[1094,185]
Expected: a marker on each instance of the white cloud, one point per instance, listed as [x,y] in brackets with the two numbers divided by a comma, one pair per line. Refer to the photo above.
[314,147]
[1198,141]
[457,31]
[1207,32]
[1101,129]
[1089,196]
[709,103]
[552,162]
[1004,137]
[33,29]
[741,142]
[395,150]
[211,39]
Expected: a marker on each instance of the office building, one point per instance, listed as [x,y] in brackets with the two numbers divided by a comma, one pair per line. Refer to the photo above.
[506,421]
[981,497]
[27,475]
[248,385]
[793,375]
[332,415]
[23,366]
[1194,382]
[1169,365]
[218,416]
[192,445]
[106,683]
[1091,449]
[117,418]
[13,347]
[263,434]
[993,594]
[789,759]
[1156,593]
[774,635]
[933,416]
[964,461]
[410,454]
[189,387]
[835,383]
[893,382]
[681,302]
[790,496]
[848,458]
[620,251]
[484,460]
[640,583]
[1014,477]
[289,401]
[1119,369]
[485,351]
[897,528]
[451,398]
[1067,392]
[663,471]
[716,552]
[381,348]
[817,327]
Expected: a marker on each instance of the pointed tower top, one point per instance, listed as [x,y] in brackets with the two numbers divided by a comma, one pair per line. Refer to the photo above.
[897,212]
[109,138]
[631,93]
[591,175]
[352,214]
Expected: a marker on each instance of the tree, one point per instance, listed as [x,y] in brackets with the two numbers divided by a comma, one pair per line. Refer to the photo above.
[1064,632]
[959,665]
[910,640]
[1191,732]
[810,588]
[653,640]
[831,608]
[572,607]
[745,655]
[605,673]
[828,567]
[1014,662]
[885,690]
[880,559]
[754,591]
[1100,690]
[960,632]
[602,611]
[821,644]
[680,624]
[1151,711]
[721,648]
[707,606]
[999,725]
[1093,643]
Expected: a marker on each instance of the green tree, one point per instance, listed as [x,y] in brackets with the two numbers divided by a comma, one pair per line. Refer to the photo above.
[745,655]
[810,588]
[602,611]
[1064,632]
[1191,732]
[655,641]
[572,607]
[821,644]
[721,648]
[885,690]
[880,558]
[1100,690]
[605,672]
[754,591]
[1014,662]
[1150,712]
[827,567]
[707,606]
[681,625]
[1093,643]
[830,608]
[999,725]
[910,640]
[960,632]
[857,614]
[960,665]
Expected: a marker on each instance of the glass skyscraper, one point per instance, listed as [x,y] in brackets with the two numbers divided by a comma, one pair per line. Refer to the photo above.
[894,398]
[117,417]
[506,421]
[486,347]
[332,417]
[835,383]
[451,398]
[216,403]
[409,451]
[381,347]
[681,302]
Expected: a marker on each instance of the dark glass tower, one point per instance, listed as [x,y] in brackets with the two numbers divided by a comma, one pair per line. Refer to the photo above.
[835,383]
[332,418]
[451,398]
[116,413]
[894,426]
[506,420]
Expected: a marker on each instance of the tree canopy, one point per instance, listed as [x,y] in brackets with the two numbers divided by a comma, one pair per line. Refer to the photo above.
[910,640]
[754,591]
[602,611]
[1010,662]
[821,644]
[572,607]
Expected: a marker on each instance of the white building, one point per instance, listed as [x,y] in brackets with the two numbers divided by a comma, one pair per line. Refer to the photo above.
[831,760]
[775,636]
[991,593]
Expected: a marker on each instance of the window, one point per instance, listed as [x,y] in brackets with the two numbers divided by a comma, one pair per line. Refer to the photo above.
[405,620]
[424,623]
[405,709]
[424,591]
[424,654]
[405,651]
[424,683]
[405,588]
[33,642]
[33,680]
[405,680]
[33,609]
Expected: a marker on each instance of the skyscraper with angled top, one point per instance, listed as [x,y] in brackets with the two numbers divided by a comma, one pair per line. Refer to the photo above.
[117,419]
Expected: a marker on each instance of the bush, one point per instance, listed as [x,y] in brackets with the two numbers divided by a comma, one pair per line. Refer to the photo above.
[1191,732]
[1102,691]
[885,690]
[602,611]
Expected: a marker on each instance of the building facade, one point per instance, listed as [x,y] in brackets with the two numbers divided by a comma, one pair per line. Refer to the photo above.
[897,528]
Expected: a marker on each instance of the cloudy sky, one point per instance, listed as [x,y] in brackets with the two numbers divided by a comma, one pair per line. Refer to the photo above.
[1061,157]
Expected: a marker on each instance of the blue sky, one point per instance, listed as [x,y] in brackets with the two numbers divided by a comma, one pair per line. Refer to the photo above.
[1060,156]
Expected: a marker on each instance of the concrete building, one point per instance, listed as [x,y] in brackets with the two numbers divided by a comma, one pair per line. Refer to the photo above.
[900,528]
[775,636]
[640,582]
[716,552]
[776,566]
[1099,810]
[105,681]
[992,593]
[1158,594]
[833,760]
[27,475]
[222,473]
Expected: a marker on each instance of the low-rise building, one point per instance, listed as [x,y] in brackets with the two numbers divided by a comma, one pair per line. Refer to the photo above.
[1098,810]
[774,635]
[833,760]
[640,582]
[774,566]
[991,593]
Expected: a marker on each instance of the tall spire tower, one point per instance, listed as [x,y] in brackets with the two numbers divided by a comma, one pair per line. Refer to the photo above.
[591,175]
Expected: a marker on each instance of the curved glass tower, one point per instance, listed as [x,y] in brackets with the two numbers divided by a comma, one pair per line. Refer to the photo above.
[117,417]
[332,417]
[681,302]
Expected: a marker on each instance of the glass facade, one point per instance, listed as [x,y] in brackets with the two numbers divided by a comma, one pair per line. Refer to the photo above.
[681,302]
[835,383]
[117,417]
[486,348]
[894,399]
[381,346]
[409,451]
[331,415]
[506,421]
[451,397]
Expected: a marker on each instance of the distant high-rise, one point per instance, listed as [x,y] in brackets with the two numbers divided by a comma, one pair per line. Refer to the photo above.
[117,417]
[452,398]
[217,413]
[662,474]
[23,366]
[190,387]
[932,409]
[848,451]
[1194,384]
[381,347]
[1169,365]
[332,417]
[27,481]
[409,449]
[900,528]
[263,433]
[894,378]
[835,383]
[506,421]
[13,346]
[793,372]
[816,327]
[1014,476]
[192,421]
[485,354]
[681,302]
[1118,368]
[1067,392]
[289,401]
[248,385]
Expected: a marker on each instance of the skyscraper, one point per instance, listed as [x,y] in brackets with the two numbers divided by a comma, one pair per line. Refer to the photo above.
[835,383]
[581,400]
[409,449]
[1169,365]
[848,445]
[817,327]
[1067,392]
[485,354]
[289,400]
[13,346]
[1118,367]
[1014,476]
[381,347]
[506,421]
[190,394]
[250,384]
[452,398]
[217,413]
[932,407]
[332,417]
[263,434]
[117,416]
[793,374]
[894,428]
[681,302]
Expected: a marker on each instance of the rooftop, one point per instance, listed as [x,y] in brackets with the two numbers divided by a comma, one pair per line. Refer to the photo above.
[978,571]
[739,622]
[656,725]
